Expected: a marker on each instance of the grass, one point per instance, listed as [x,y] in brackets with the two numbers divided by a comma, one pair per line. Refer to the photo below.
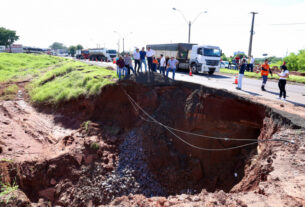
[95,146]
[293,78]
[70,81]
[53,79]
[16,67]
[6,189]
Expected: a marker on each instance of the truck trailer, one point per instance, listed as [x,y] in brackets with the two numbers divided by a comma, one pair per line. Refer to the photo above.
[198,58]
[100,54]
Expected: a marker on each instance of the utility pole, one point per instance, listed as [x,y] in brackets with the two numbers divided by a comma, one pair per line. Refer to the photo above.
[190,24]
[251,35]
[123,45]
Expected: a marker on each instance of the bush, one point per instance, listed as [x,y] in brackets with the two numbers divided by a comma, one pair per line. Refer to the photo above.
[296,62]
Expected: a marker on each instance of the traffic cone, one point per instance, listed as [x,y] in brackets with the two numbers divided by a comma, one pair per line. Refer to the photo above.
[191,72]
[236,80]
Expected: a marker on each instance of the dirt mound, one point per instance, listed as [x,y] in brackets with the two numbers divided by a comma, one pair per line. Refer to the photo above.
[106,151]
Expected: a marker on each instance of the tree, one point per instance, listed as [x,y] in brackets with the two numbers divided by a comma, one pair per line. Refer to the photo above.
[57,46]
[79,47]
[7,37]
[224,57]
[72,50]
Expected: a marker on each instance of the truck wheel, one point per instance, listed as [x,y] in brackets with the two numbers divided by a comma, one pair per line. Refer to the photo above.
[194,69]
[211,72]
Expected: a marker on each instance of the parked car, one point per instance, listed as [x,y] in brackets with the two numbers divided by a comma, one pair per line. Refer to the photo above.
[224,64]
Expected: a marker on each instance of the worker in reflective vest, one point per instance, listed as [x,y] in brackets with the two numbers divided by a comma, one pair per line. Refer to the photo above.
[265,69]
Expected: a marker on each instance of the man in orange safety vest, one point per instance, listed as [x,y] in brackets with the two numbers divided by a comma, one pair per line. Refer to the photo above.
[265,69]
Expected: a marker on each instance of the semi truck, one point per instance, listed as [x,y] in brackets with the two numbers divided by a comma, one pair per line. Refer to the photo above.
[100,54]
[198,58]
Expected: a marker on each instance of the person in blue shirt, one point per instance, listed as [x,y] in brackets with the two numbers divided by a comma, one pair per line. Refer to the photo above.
[241,73]
[142,58]
[171,66]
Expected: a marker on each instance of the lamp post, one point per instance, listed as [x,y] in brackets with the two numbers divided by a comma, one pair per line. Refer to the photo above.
[123,38]
[189,22]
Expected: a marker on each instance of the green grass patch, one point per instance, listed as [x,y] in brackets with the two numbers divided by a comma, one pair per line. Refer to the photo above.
[53,79]
[11,90]
[293,78]
[6,189]
[16,67]
[70,81]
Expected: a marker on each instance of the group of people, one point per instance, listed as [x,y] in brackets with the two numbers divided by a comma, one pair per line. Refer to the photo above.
[265,70]
[164,64]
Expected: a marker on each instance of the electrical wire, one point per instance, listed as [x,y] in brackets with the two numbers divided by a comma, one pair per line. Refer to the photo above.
[171,129]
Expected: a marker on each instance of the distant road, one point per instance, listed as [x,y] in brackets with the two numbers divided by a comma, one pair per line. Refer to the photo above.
[295,92]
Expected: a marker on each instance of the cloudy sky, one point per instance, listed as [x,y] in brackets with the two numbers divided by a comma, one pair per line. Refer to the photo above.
[279,26]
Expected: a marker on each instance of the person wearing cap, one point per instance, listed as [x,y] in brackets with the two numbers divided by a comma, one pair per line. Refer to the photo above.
[162,64]
[171,66]
[136,57]
[265,70]
[282,80]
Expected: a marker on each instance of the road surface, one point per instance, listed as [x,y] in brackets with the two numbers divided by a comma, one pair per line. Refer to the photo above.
[295,92]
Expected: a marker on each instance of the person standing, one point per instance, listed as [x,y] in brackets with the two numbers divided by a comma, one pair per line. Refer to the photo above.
[121,64]
[265,70]
[142,58]
[154,64]
[171,66]
[136,57]
[149,55]
[241,74]
[162,64]
[282,81]
[252,60]
[128,63]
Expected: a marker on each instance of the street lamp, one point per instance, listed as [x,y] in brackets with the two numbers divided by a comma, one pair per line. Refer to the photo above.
[123,38]
[189,22]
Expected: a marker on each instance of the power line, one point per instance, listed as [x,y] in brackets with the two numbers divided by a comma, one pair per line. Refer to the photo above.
[170,129]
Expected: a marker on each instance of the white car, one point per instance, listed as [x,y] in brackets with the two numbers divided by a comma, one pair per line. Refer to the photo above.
[224,64]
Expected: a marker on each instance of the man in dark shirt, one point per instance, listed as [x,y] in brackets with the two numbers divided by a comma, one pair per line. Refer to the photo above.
[142,57]
[121,66]
[241,73]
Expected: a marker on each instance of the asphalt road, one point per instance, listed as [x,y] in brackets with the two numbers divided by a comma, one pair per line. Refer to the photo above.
[295,92]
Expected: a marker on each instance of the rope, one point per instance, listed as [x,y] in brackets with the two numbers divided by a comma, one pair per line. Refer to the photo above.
[171,129]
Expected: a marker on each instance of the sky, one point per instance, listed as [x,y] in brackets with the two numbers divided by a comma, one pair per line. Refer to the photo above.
[279,25]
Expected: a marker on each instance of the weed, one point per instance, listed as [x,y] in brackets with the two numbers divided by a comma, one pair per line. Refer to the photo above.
[95,146]
[85,125]
[6,190]
[6,160]
[11,90]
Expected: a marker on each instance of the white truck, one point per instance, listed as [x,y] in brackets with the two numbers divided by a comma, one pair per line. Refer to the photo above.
[198,58]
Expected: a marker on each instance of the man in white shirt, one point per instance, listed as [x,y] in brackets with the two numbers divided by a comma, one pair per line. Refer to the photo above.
[149,54]
[136,57]
[162,64]
[252,60]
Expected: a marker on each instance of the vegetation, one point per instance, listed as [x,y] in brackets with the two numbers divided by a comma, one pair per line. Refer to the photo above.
[58,46]
[15,67]
[293,78]
[296,62]
[95,146]
[54,79]
[72,50]
[79,47]
[69,81]
[7,37]
[6,189]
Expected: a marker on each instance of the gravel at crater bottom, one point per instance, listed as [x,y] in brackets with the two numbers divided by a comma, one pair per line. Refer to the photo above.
[131,176]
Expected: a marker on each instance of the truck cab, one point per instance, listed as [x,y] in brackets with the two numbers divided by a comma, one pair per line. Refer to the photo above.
[205,59]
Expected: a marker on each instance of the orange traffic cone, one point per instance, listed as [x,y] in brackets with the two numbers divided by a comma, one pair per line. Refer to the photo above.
[191,72]
[236,80]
